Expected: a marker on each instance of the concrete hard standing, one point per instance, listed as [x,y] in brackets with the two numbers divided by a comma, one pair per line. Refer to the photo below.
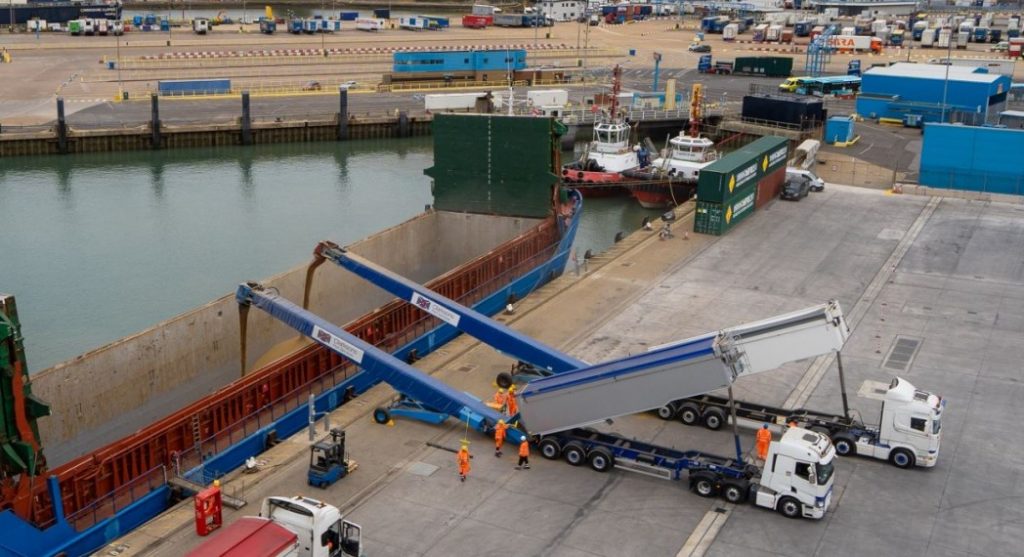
[929,269]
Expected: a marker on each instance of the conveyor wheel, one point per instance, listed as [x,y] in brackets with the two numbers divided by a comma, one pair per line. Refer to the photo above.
[381,415]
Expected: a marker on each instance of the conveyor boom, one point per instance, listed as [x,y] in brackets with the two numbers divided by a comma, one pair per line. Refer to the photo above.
[404,378]
[470,321]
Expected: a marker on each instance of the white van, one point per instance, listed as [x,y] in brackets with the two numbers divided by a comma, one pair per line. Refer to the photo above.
[817,184]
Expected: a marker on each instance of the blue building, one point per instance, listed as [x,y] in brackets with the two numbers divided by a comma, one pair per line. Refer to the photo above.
[975,158]
[903,89]
[459,61]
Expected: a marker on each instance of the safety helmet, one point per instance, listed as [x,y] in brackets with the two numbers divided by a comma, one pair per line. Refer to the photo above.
[765,426]
[502,422]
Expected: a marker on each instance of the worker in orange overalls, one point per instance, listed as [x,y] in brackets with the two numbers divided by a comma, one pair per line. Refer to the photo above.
[499,437]
[524,454]
[510,401]
[764,438]
[500,400]
[462,457]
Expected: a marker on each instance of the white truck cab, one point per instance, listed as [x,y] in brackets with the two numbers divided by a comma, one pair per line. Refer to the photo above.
[910,430]
[797,475]
[321,530]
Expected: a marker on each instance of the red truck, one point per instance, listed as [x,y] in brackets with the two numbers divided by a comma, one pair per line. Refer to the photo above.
[477,21]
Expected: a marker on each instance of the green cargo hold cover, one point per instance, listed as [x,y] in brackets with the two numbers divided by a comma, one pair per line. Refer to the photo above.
[493,164]
[718,218]
[721,180]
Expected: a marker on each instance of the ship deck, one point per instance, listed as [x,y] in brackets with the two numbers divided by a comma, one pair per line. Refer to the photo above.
[943,271]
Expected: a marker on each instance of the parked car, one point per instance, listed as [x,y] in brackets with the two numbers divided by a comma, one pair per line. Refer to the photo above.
[1001,46]
[796,188]
[348,85]
[817,184]
[312,86]
[699,47]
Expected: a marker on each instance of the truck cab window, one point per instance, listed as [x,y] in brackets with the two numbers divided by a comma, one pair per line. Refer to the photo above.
[918,424]
[803,470]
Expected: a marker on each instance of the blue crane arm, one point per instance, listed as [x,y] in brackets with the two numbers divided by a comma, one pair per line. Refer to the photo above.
[404,378]
[467,320]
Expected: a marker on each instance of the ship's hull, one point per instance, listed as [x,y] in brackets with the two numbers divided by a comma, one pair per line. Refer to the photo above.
[57,12]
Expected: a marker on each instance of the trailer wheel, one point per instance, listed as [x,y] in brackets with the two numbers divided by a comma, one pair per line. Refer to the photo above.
[504,380]
[735,493]
[789,507]
[902,458]
[689,413]
[667,412]
[703,484]
[574,454]
[845,444]
[381,415]
[550,448]
[714,419]
[601,459]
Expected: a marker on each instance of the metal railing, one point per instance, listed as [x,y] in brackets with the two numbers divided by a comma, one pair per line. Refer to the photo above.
[108,505]
[589,116]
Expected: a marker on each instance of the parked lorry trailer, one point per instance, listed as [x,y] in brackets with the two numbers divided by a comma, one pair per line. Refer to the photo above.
[287,527]
[370,24]
[855,43]
[798,483]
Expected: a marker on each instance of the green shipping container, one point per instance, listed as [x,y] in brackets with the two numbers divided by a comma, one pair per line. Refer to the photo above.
[718,218]
[721,180]
[767,66]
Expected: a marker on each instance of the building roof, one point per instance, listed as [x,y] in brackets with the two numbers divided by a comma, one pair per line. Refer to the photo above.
[935,71]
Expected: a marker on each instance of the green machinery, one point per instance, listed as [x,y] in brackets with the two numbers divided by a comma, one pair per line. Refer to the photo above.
[21,452]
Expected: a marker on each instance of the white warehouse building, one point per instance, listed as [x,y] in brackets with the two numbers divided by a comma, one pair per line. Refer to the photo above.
[562,10]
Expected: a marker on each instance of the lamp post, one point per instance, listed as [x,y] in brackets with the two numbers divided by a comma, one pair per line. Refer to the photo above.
[945,84]
[120,84]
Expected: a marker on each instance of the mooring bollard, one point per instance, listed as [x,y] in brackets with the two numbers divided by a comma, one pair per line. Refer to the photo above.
[246,120]
[342,113]
[154,120]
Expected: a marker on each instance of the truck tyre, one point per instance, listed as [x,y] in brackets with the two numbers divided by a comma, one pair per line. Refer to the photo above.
[381,415]
[822,430]
[689,413]
[902,458]
[668,411]
[845,444]
[601,459]
[714,419]
[574,453]
[703,484]
[789,507]
[734,492]
[550,448]
[504,380]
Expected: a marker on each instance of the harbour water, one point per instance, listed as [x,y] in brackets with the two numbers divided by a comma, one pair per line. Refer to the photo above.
[96,247]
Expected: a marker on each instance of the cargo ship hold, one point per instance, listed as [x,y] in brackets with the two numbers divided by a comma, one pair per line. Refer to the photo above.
[498,229]
[59,11]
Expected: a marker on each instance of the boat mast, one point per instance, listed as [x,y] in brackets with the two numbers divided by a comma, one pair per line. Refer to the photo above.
[696,96]
[616,87]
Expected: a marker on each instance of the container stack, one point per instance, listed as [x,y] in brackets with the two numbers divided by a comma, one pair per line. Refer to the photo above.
[731,188]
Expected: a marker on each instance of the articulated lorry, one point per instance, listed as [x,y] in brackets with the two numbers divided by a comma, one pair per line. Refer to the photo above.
[287,527]
[855,43]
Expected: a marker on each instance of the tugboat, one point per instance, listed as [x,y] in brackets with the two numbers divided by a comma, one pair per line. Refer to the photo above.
[672,179]
[599,171]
